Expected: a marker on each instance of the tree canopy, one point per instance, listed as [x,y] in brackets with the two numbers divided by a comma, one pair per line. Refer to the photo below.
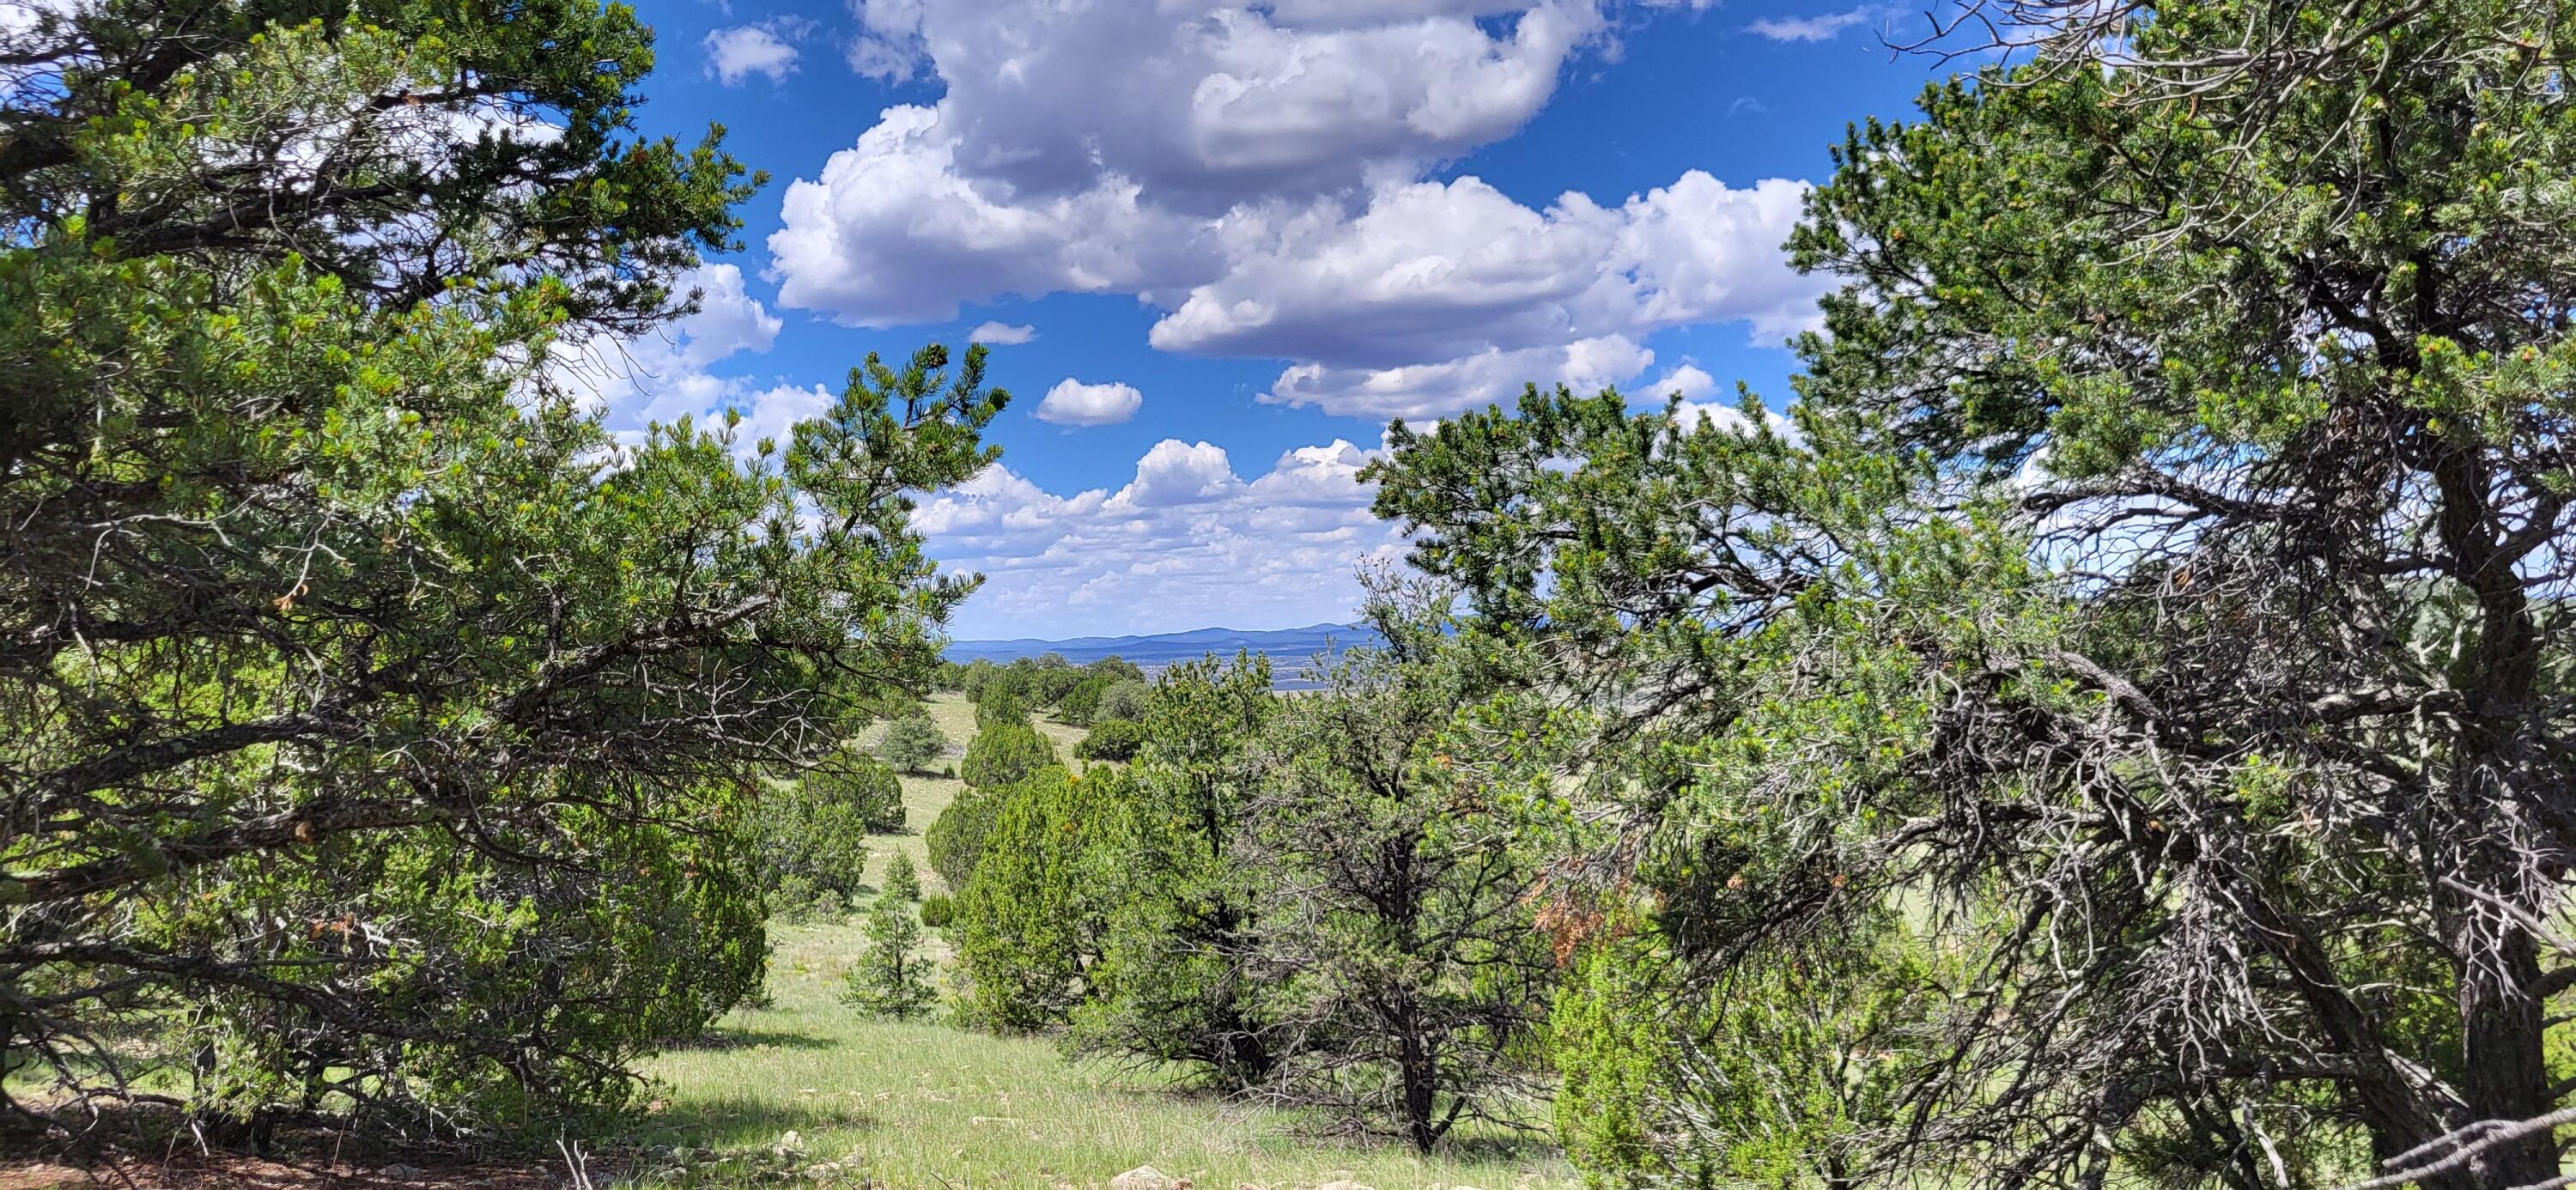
[383,725]
[2157,583]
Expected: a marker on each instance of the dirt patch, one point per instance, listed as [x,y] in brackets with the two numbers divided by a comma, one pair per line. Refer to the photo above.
[237,1171]
[40,1176]
[305,1170]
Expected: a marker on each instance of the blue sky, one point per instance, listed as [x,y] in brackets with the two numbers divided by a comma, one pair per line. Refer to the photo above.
[1215,246]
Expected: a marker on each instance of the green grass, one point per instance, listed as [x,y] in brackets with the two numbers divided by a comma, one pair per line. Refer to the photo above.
[933,1106]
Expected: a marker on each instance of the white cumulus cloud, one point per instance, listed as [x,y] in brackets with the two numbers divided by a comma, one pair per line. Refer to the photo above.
[766,48]
[1821,27]
[667,373]
[1001,333]
[1254,172]
[1073,403]
[1186,543]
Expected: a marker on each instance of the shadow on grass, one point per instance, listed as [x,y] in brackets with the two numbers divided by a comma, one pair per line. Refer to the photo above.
[724,1037]
[738,1121]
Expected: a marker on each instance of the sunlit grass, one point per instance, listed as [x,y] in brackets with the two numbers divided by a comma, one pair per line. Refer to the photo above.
[933,1106]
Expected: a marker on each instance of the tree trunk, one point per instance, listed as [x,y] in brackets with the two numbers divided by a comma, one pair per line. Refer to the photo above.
[1421,1089]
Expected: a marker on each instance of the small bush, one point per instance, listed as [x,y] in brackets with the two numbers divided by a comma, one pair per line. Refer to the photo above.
[901,882]
[956,839]
[1112,739]
[1005,752]
[790,897]
[866,786]
[937,910]
[912,742]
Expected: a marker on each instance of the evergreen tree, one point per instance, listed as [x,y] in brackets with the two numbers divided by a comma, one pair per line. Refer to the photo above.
[1111,739]
[902,883]
[2162,597]
[892,979]
[1175,984]
[374,710]
[860,786]
[1028,920]
[912,741]
[1005,751]
[1400,938]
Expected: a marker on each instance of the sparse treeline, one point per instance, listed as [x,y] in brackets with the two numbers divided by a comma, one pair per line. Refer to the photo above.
[1320,899]
[384,735]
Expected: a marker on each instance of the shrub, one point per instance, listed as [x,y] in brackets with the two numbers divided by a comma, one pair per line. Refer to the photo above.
[866,786]
[1030,916]
[912,741]
[956,839]
[902,882]
[1112,739]
[1125,699]
[937,910]
[1004,753]
[809,841]
[1001,705]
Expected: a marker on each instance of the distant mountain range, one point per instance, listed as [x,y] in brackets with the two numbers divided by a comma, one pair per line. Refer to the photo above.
[1288,648]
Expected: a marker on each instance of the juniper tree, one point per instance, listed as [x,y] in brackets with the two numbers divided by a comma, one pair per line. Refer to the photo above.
[1406,980]
[1005,751]
[1028,917]
[912,742]
[1176,984]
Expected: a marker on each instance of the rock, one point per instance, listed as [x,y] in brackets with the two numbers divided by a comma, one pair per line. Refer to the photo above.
[399,1172]
[1143,1177]
[791,1142]
[1344,1184]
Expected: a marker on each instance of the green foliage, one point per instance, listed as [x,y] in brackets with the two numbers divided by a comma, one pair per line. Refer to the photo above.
[1111,739]
[1028,917]
[912,742]
[1782,1078]
[938,910]
[1126,698]
[809,841]
[1177,982]
[975,677]
[891,980]
[901,882]
[956,839]
[2163,571]
[860,786]
[385,718]
[1005,751]
[1000,705]
[1411,951]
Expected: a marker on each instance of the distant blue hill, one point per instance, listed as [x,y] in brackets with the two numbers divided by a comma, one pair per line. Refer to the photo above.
[1288,648]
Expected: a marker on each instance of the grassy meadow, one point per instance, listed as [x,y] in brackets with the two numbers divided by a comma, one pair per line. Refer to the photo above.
[928,1105]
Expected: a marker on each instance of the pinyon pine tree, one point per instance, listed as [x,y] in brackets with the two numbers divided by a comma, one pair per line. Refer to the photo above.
[2164,599]
[381,727]
[892,979]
